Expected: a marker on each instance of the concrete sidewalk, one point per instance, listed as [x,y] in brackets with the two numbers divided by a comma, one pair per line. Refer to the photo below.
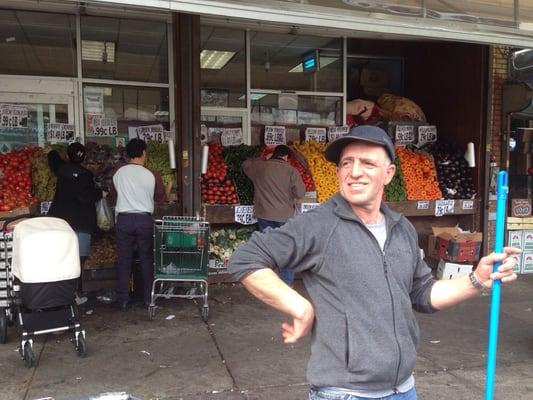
[239,353]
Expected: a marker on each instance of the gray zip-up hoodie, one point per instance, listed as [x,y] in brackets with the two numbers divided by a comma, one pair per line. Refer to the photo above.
[365,333]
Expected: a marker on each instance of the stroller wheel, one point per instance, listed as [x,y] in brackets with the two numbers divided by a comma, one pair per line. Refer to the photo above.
[3,325]
[205,313]
[81,347]
[28,356]
[151,312]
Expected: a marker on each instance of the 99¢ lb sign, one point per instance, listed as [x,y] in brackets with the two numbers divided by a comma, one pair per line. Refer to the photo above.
[274,135]
[105,126]
[245,215]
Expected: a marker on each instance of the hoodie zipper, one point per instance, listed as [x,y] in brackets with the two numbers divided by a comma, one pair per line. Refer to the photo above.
[386,273]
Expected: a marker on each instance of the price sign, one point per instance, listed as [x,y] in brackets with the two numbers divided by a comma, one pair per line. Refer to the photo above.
[13,116]
[315,135]
[231,137]
[468,204]
[336,132]
[443,207]
[151,132]
[426,134]
[60,132]
[45,206]
[104,126]
[245,215]
[405,134]
[305,207]
[422,205]
[274,135]
[203,134]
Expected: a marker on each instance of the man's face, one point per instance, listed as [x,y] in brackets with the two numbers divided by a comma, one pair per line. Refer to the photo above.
[363,171]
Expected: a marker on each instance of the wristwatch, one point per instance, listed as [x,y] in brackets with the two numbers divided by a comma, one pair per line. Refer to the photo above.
[474,280]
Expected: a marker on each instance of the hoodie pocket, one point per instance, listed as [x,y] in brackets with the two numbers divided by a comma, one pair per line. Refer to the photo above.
[372,352]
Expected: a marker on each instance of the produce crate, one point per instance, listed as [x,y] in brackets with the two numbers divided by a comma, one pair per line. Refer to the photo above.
[461,251]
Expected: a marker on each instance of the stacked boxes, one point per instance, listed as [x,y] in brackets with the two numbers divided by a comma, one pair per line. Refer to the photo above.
[523,239]
[455,249]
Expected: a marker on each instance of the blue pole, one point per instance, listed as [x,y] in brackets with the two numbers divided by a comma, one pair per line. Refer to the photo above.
[501,206]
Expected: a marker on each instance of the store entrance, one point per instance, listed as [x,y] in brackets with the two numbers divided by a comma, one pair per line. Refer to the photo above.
[31,114]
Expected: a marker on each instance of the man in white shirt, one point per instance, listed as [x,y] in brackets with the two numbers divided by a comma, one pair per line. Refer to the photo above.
[137,189]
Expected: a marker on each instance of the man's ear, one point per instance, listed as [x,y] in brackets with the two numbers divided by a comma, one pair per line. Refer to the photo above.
[391,170]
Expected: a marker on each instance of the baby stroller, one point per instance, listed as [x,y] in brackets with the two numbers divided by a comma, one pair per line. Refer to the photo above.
[46,266]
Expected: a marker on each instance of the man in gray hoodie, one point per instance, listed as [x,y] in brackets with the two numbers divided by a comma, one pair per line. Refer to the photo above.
[362,268]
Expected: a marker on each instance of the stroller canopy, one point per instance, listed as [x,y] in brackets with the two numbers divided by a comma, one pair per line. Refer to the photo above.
[45,249]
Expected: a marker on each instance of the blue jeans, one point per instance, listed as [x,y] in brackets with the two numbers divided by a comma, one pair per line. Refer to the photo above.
[286,274]
[328,394]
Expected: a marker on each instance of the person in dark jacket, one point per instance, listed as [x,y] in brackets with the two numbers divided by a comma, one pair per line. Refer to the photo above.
[363,271]
[76,195]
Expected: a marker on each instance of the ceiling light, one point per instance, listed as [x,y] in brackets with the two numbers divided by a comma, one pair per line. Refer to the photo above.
[254,96]
[215,59]
[324,62]
[10,39]
[92,50]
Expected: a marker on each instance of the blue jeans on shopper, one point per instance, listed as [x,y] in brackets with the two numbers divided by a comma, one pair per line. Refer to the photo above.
[286,274]
[331,394]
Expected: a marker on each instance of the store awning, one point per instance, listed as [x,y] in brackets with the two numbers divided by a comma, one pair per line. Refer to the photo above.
[504,22]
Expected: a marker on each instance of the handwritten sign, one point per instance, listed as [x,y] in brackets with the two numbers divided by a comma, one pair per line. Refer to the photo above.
[151,132]
[336,132]
[275,135]
[245,215]
[104,126]
[305,207]
[443,207]
[468,204]
[13,116]
[422,205]
[405,134]
[426,134]
[203,134]
[231,137]
[60,132]
[45,206]
[315,135]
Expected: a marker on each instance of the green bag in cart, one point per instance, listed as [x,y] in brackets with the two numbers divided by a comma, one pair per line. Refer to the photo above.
[179,239]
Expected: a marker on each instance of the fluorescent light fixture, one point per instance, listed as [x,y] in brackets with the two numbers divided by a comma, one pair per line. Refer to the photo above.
[106,90]
[10,39]
[92,50]
[254,96]
[215,59]
[324,62]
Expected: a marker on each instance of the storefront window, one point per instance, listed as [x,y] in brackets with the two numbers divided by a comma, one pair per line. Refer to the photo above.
[295,62]
[124,49]
[223,67]
[37,43]
[113,113]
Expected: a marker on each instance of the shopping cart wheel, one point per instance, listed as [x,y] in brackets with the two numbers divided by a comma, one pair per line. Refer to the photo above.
[3,325]
[205,313]
[151,312]
[81,347]
[28,357]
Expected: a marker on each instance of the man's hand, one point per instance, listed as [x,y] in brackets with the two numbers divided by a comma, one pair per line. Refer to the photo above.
[300,325]
[505,270]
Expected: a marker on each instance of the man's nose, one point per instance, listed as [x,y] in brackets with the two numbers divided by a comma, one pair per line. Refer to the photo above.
[356,169]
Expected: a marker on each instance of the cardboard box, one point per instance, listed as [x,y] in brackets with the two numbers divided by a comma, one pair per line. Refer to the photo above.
[516,239]
[449,270]
[527,241]
[451,244]
[527,263]
[521,207]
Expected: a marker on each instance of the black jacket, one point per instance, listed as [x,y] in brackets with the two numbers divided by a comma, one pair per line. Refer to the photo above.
[76,194]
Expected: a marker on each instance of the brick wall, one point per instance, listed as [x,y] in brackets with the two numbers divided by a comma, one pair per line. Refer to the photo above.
[499,75]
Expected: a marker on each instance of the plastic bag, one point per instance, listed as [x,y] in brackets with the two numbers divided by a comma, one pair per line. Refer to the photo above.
[104,216]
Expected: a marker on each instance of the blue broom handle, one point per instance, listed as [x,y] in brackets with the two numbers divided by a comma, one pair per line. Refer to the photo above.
[501,209]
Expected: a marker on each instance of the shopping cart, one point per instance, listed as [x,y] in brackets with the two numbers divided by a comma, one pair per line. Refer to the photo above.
[181,247]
